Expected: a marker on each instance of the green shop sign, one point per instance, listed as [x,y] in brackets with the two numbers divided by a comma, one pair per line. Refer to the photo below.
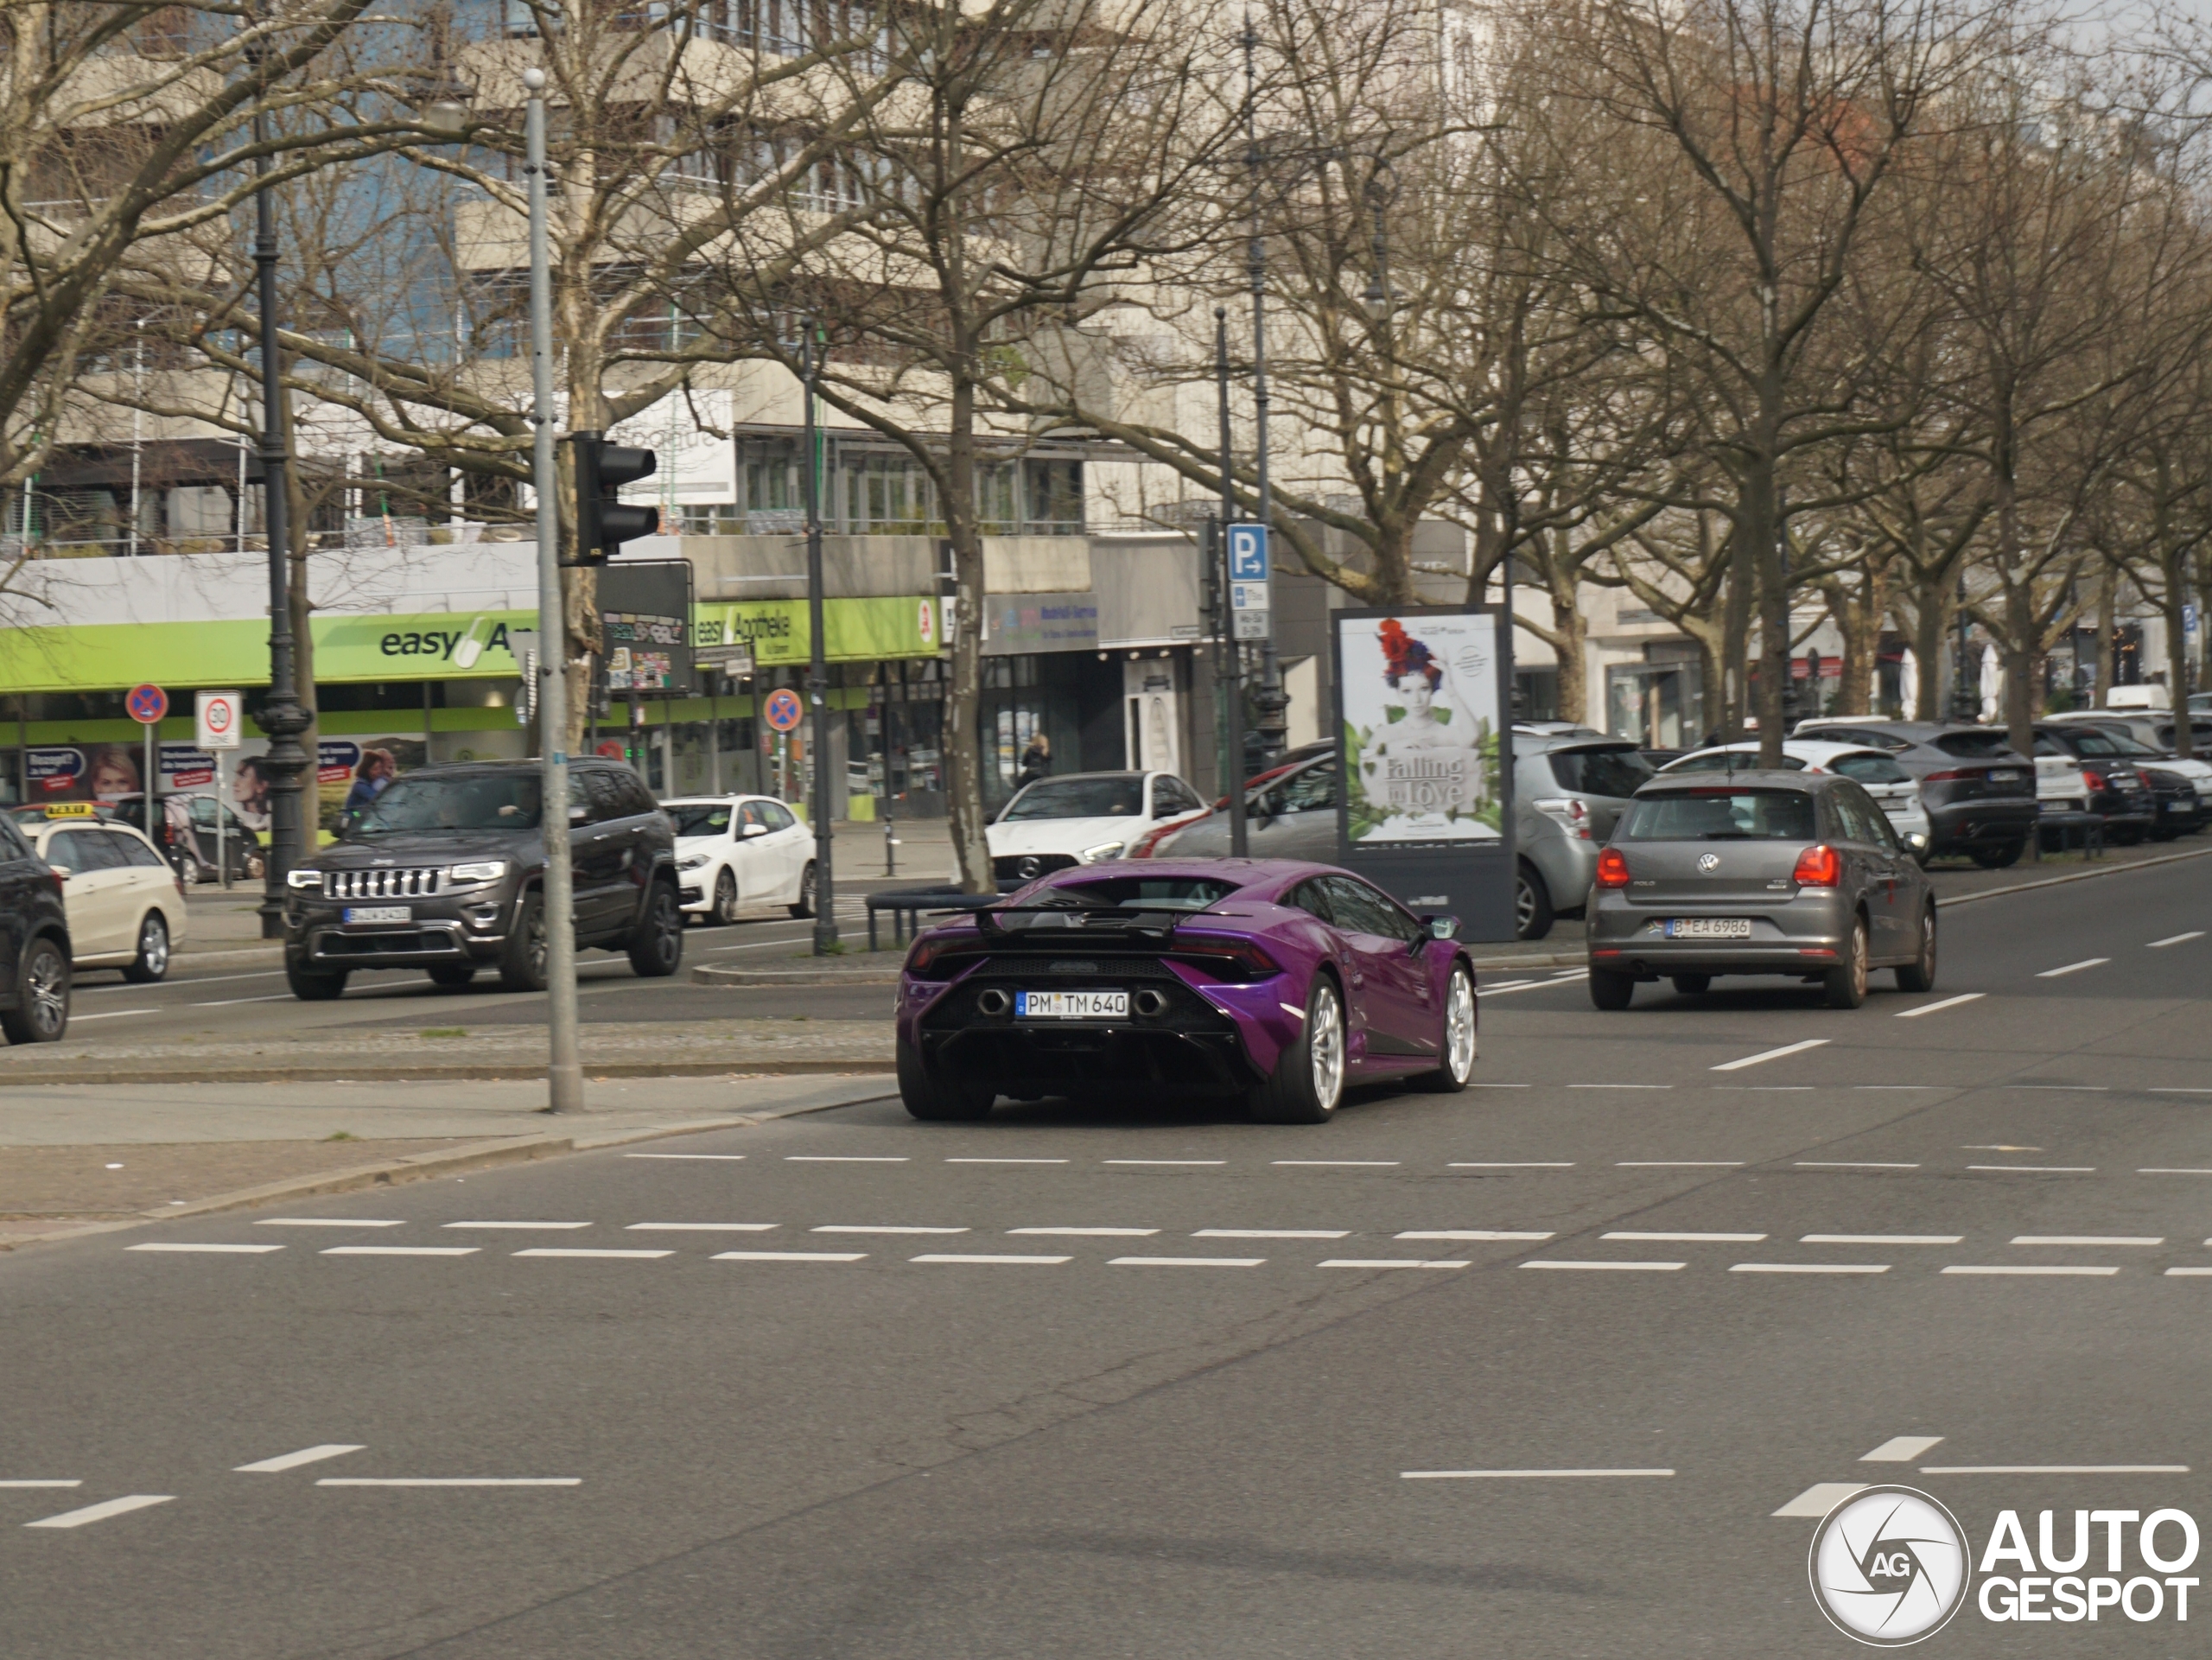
[430,645]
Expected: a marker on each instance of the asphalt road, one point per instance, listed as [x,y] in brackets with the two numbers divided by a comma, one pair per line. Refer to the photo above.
[1133,1382]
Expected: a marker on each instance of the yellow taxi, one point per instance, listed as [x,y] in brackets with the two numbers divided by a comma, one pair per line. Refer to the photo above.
[125,907]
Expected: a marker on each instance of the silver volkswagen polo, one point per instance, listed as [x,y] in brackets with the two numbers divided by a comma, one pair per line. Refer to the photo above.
[1758,873]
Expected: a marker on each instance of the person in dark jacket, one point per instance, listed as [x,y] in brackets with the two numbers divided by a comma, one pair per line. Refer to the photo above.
[1036,762]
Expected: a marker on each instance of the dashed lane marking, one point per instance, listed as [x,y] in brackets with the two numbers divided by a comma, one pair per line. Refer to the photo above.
[1933,1008]
[211,1250]
[450,1481]
[1808,1268]
[1766,1055]
[2054,1469]
[1526,1164]
[1686,1238]
[1656,1267]
[845,1158]
[1620,1086]
[101,1511]
[1164,1162]
[1882,1239]
[2048,1270]
[401,1250]
[2163,1170]
[522,1227]
[550,1251]
[988,1260]
[790,1256]
[718,1157]
[1092,1233]
[1006,1161]
[1476,1234]
[284,1462]
[1679,1164]
[1338,1164]
[702,1227]
[1388,1262]
[111,1014]
[2040,1169]
[2073,968]
[2088,1239]
[2179,1089]
[1521,1475]
[1850,1164]
[2188,1273]
[1901,1449]
[17,1486]
[329,1222]
[868,1227]
[1185,1262]
[1271,1233]
[2175,939]
[1821,1497]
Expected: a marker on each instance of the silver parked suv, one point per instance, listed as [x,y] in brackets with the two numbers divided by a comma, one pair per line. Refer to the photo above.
[1570,785]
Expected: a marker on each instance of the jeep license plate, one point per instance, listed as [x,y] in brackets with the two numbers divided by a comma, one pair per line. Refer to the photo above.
[1071,1005]
[379,914]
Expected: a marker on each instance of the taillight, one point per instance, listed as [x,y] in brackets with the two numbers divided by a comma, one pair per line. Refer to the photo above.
[1228,959]
[1951,775]
[1612,868]
[2095,781]
[938,959]
[1819,866]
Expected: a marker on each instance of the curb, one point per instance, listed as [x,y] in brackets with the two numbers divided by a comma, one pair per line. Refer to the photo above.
[2077,876]
[710,975]
[1541,960]
[475,1155]
[486,1072]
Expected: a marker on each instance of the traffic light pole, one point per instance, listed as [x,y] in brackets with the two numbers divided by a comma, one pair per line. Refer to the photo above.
[818,673]
[564,1072]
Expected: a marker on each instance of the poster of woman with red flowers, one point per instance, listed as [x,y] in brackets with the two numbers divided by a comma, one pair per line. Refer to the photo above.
[1420,728]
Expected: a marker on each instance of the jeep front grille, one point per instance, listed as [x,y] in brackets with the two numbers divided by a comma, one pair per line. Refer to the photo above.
[381,884]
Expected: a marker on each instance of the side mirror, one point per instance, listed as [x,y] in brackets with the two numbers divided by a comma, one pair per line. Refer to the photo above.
[752,831]
[577,815]
[62,871]
[1442,928]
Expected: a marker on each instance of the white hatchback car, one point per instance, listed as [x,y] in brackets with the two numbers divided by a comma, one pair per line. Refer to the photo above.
[1084,818]
[125,907]
[740,851]
[1877,772]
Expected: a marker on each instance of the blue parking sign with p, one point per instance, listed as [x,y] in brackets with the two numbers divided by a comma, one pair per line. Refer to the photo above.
[1248,553]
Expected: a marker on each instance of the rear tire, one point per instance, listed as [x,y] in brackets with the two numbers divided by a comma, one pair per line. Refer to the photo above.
[1919,975]
[657,948]
[1998,857]
[152,961]
[1532,903]
[454,976]
[522,960]
[1692,985]
[1458,1046]
[804,905]
[310,986]
[725,911]
[42,1013]
[1309,1075]
[935,1102]
[1610,989]
[1845,985]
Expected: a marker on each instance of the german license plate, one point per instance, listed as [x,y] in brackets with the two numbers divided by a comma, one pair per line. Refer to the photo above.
[2005,775]
[1709,928]
[2176,807]
[379,914]
[1071,1005]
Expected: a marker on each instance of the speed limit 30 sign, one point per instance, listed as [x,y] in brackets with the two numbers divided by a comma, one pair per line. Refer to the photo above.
[217,720]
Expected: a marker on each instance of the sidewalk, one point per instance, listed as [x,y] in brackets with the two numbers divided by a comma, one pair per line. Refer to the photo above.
[71,1156]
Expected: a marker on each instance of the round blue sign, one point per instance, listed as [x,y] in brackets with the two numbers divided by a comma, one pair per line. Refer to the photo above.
[147,704]
[783,710]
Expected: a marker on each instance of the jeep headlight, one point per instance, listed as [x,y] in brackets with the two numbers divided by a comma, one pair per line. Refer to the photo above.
[483,870]
[309,881]
[693,860]
[1103,851]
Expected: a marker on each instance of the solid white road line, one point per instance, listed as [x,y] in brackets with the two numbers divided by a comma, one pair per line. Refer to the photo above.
[218,1250]
[790,1256]
[1900,1449]
[2054,1469]
[1093,1233]
[1882,1239]
[102,1510]
[401,1250]
[1532,1164]
[450,1481]
[1686,1238]
[2048,1270]
[2041,1169]
[702,1227]
[865,1227]
[1271,1233]
[549,1251]
[988,1259]
[1808,1268]
[1472,1233]
[329,1222]
[14,1486]
[294,1460]
[1185,1262]
[1821,1497]
[1930,1008]
[732,1158]
[1766,1055]
[1660,1268]
[2085,1239]
[2175,939]
[520,1225]
[1006,1161]
[2073,967]
[1679,1164]
[1388,1261]
[1849,1164]
[844,1158]
[1518,1475]
[1339,1164]
[1164,1161]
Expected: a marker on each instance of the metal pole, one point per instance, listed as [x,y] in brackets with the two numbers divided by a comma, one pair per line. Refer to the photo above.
[818,670]
[1270,700]
[282,717]
[564,1072]
[137,437]
[1228,677]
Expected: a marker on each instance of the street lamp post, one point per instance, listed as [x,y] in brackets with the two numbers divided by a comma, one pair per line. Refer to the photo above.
[283,718]
[564,1072]
[817,668]
[1270,701]
[1228,665]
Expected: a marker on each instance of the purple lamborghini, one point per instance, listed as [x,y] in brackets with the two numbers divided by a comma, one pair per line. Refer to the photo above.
[1273,979]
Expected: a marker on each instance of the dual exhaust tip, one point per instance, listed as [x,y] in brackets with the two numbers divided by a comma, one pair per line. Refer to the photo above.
[991,1000]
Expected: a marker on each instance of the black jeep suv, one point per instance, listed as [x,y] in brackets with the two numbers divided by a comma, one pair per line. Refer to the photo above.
[443,872]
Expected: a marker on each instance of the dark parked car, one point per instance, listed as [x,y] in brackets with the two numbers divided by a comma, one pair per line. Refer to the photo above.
[1793,873]
[1278,980]
[1979,792]
[443,872]
[187,837]
[2110,783]
[35,948]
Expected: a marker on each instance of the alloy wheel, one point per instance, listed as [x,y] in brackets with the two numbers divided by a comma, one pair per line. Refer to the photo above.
[47,983]
[1859,959]
[535,941]
[153,946]
[725,898]
[1324,1043]
[1524,907]
[1460,1028]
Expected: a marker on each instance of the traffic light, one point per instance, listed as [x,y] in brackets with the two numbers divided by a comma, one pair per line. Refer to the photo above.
[604,522]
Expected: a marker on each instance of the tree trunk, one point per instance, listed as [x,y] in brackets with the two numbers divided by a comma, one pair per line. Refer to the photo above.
[2018,652]
[2107,638]
[963,747]
[1736,643]
[2169,607]
[1760,524]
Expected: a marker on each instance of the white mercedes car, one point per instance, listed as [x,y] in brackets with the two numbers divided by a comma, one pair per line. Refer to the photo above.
[740,852]
[1085,818]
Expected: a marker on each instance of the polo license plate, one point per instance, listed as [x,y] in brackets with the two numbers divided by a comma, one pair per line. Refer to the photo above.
[379,914]
[1071,1005]
[1709,928]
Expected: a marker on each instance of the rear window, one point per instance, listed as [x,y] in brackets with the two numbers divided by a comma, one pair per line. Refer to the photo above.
[1730,761]
[1141,893]
[1972,746]
[1721,815]
[1870,769]
[1619,772]
[1080,798]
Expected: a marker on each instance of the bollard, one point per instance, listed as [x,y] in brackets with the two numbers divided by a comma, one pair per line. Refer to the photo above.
[890,842]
